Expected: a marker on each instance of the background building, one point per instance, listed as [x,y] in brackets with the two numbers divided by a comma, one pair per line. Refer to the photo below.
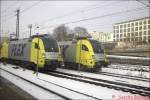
[102,37]
[133,31]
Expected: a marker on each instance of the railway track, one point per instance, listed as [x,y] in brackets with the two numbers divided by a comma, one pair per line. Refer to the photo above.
[131,68]
[125,76]
[144,91]
[51,91]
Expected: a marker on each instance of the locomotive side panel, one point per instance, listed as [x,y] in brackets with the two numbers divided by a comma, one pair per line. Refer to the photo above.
[70,53]
[20,50]
[4,50]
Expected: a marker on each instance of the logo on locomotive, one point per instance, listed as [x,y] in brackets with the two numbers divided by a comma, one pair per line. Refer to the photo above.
[18,49]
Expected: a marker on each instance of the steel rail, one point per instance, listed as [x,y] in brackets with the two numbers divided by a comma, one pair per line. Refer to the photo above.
[105,83]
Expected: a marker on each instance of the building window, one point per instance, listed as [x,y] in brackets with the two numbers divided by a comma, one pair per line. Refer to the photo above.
[136,39]
[132,29]
[120,26]
[136,24]
[144,32]
[117,31]
[124,35]
[120,30]
[120,35]
[145,22]
[140,28]
[124,30]
[117,35]
[144,38]
[144,27]
[149,27]
[136,29]
[128,34]
[128,29]
[124,25]
[132,24]
[140,34]
[114,27]
[114,31]
[149,21]
[117,27]
[140,38]
[120,39]
[132,34]
[148,32]
[136,34]
[128,25]
[140,22]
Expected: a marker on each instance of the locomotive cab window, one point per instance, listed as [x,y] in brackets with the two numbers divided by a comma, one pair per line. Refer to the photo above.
[37,46]
[85,48]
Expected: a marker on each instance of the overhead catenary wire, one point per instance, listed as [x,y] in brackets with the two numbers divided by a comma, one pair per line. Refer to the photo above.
[81,20]
[9,7]
[101,16]
[148,5]
[77,11]
[24,10]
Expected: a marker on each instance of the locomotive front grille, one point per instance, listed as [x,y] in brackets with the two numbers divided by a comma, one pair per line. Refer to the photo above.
[51,62]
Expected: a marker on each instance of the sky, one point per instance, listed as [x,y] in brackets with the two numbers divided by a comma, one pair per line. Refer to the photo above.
[95,15]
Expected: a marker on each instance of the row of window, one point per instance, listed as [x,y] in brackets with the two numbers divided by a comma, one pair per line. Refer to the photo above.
[132,34]
[133,29]
[133,39]
[144,32]
[132,24]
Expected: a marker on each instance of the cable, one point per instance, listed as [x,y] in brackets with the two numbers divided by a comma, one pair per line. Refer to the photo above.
[25,10]
[9,7]
[31,6]
[76,11]
[97,17]
[143,3]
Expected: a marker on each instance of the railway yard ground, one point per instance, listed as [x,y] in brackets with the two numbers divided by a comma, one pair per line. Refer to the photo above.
[9,91]
[66,84]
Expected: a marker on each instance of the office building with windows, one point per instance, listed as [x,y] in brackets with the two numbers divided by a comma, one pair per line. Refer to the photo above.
[132,31]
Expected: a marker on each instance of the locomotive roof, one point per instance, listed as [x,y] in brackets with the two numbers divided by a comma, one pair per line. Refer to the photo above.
[41,35]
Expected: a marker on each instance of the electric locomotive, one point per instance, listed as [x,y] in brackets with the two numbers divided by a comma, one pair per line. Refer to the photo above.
[38,50]
[83,54]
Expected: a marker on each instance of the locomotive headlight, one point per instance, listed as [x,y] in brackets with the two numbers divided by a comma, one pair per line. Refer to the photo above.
[43,55]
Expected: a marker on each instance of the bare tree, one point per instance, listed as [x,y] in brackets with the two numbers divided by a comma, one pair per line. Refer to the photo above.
[80,30]
[60,32]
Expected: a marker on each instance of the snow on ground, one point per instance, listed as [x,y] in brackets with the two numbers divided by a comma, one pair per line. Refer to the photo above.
[33,90]
[130,67]
[95,91]
[105,77]
[127,72]
[129,57]
[28,74]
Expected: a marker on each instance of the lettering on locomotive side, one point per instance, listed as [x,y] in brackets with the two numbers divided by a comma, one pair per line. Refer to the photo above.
[18,49]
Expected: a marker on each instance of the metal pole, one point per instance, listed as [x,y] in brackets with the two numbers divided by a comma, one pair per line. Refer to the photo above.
[79,56]
[30,27]
[37,56]
[17,24]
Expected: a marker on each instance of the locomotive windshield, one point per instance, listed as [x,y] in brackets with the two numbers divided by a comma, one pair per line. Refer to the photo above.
[97,46]
[50,45]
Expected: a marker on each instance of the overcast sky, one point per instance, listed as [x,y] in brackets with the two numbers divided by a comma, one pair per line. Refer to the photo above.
[100,15]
